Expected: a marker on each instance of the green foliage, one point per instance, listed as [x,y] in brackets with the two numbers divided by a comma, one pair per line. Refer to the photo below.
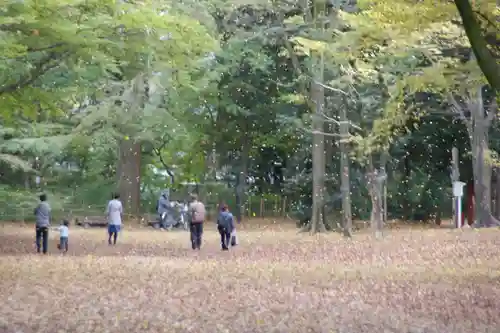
[218,89]
[19,204]
[51,44]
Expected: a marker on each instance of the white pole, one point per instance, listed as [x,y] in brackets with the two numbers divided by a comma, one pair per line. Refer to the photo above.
[458,201]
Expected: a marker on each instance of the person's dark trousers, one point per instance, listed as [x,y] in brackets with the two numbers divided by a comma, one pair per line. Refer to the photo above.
[42,239]
[196,230]
[225,237]
[163,220]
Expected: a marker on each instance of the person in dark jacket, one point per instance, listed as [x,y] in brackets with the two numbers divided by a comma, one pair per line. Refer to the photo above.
[42,215]
[225,225]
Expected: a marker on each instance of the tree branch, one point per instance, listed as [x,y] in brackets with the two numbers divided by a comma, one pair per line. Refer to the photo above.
[338,122]
[485,59]
[458,109]
[46,48]
[157,152]
[331,88]
[40,69]
[486,18]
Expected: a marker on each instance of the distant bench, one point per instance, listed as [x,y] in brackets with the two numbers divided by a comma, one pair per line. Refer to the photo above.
[101,221]
[91,221]
[151,220]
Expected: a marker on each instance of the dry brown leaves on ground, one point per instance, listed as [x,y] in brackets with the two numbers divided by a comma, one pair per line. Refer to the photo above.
[274,281]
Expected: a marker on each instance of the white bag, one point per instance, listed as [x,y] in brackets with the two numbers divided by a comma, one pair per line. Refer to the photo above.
[234,238]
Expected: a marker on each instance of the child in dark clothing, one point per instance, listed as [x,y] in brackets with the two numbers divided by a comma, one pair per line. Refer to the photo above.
[225,225]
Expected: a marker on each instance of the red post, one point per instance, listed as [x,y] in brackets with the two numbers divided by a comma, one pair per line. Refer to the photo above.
[470,202]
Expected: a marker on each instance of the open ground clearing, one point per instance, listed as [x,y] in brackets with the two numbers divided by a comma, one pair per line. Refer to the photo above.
[275,281]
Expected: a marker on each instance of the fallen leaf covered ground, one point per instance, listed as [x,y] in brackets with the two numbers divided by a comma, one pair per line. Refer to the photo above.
[275,281]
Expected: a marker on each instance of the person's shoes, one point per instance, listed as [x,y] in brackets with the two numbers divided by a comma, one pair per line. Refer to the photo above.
[225,249]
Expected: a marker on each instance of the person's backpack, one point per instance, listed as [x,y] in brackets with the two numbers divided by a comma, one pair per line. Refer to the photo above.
[198,212]
[225,220]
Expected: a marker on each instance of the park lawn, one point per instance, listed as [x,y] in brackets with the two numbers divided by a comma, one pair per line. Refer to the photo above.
[276,280]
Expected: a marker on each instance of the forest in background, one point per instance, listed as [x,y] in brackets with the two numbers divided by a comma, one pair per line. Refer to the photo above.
[341,107]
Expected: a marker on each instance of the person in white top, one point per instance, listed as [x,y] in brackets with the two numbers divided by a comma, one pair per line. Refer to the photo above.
[114,213]
[63,236]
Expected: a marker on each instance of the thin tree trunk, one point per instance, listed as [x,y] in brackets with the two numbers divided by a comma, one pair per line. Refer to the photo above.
[241,181]
[344,174]
[375,181]
[455,177]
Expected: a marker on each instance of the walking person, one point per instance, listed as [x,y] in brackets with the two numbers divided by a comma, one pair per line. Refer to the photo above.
[42,215]
[225,226]
[197,218]
[114,213]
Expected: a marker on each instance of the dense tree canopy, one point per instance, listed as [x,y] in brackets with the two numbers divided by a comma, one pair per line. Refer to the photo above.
[329,104]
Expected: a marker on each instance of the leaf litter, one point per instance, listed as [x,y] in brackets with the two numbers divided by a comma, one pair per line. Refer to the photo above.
[275,281]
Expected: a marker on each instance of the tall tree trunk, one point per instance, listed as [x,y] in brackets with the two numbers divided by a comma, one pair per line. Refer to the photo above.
[241,181]
[375,183]
[345,186]
[313,10]
[329,144]
[318,172]
[478,127]
[482,176]
[129,175]
[318,149]
[481,168]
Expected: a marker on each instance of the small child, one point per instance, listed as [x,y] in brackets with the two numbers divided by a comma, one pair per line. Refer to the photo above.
[63,236]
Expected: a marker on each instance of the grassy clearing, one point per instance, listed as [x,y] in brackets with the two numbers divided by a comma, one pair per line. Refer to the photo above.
[275,281]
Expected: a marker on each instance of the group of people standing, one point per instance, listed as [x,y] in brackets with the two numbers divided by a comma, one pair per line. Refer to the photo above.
[171,213]
[195,213]
[114,213]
